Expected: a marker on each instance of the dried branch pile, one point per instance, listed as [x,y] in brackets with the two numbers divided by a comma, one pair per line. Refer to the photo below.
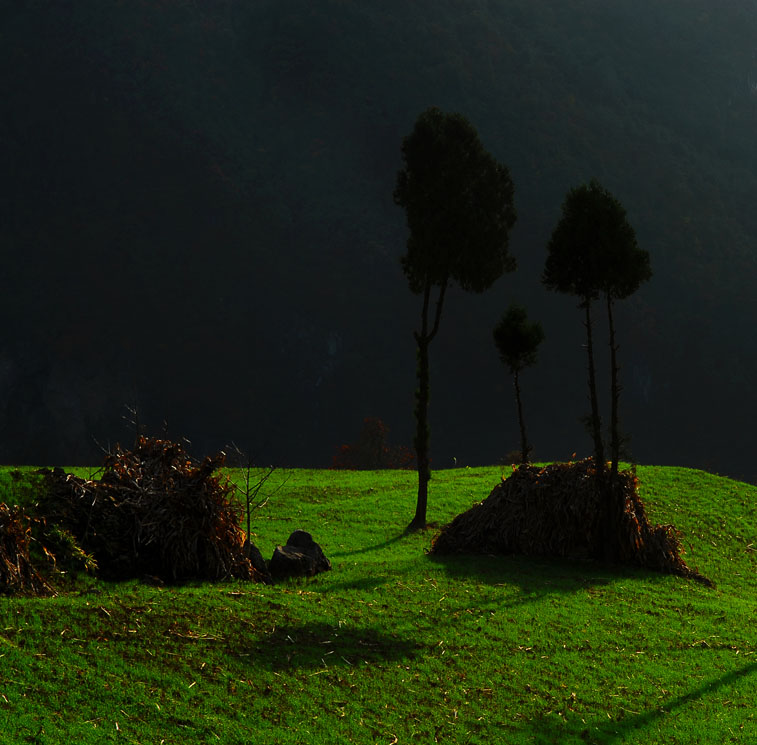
[17,572]
[154,512]
[559,511]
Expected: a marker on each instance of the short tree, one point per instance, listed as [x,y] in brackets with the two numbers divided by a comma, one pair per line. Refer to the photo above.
[253,481]
[517,339]
[458,201]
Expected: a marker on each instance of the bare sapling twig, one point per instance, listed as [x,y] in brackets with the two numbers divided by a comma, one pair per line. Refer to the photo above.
[132,420]
[253,480]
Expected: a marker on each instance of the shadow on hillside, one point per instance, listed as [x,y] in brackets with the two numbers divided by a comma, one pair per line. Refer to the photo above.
[319,646]
[535,577]
[368,549]
[603,731]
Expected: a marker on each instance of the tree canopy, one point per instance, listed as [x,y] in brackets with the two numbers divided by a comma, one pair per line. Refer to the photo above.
[593,249]
[459,205]
[517,339]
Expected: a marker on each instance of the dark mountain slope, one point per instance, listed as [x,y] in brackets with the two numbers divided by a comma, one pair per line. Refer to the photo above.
[197,212]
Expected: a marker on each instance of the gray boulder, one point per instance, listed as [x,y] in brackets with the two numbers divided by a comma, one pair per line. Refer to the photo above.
[300,557]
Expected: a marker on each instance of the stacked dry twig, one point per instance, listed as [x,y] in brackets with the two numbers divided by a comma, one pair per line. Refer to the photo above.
[154,512]
[561,510]
[17,572]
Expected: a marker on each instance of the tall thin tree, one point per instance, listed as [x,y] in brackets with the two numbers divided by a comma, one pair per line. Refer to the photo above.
[458,202]
[626,267]
[517,340]
[574,267]
[593,252]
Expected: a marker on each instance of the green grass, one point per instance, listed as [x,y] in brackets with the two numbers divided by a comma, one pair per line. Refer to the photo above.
[396,646]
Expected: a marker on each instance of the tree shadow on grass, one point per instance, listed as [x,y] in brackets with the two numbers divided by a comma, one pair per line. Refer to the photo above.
[374,547]
[319,646]
[551,733]
[535,576]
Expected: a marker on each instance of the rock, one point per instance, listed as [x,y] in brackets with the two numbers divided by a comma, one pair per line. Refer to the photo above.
[301,557]
[252,552]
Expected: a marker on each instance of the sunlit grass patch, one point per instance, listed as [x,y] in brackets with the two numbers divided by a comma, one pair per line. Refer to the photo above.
[396,644]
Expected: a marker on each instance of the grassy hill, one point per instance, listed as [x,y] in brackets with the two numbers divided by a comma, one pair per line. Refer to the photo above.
[394,646]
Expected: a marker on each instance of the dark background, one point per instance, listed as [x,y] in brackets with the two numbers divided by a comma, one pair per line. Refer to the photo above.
[196,219]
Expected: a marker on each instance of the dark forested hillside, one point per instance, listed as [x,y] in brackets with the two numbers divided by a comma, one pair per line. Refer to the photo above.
[196,216]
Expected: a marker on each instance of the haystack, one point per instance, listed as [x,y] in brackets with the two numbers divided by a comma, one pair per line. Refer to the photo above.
[154,512]
[560,511]
[17,573]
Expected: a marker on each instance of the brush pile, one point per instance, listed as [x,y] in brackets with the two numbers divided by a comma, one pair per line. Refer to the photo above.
[17,572]
[154,512]
[560,511]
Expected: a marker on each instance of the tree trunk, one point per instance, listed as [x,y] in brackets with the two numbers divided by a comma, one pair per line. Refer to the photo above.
[422,396]
[596,422]
[615,389]
[615,496]
[524,447]
[608,551]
